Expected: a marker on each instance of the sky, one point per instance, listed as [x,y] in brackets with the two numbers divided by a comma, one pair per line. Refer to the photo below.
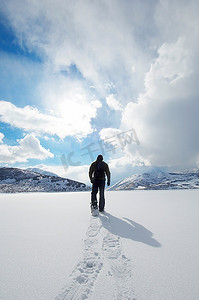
[112,77]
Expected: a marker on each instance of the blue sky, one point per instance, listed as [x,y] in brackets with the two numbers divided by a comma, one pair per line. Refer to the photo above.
[78,75]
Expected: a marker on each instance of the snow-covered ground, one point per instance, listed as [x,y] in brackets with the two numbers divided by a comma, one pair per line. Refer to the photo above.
[145,246]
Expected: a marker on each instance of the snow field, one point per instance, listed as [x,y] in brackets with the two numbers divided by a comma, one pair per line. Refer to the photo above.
[144,247]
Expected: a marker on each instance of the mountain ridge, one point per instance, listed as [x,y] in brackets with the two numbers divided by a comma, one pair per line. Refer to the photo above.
[16,180]
[158,180]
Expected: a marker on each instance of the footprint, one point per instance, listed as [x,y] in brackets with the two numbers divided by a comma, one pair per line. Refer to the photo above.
[83,277]
[120,267]
[103,264]
[111,246]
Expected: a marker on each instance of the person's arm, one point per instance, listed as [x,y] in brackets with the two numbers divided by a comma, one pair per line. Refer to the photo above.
[91,172]
[108,174]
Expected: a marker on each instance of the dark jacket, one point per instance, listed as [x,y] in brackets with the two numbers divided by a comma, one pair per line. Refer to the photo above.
[93,171]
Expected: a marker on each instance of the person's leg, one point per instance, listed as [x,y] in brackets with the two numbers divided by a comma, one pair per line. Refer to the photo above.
[94,194]
[101,198]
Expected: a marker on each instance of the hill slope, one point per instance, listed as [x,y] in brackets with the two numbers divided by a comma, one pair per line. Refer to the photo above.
[158,181]
[14,180]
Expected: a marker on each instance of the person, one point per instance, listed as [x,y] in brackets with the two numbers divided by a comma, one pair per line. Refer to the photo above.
[97,171]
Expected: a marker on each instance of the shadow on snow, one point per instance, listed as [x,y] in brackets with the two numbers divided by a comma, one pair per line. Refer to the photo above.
[128,229]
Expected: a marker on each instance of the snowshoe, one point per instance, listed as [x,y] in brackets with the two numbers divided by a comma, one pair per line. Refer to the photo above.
[94,211]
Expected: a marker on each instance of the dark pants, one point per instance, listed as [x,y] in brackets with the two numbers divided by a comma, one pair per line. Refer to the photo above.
[98,184]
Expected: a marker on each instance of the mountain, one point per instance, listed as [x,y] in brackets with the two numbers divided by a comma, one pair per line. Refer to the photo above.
[14,180]
[158,181]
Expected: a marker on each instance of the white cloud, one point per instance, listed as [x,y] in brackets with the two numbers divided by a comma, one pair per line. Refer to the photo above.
[170,71]
[106,133]
[69,121]
[145,52]
[78,173]
[1,137]
[27,118]
[113,102]
[166,116]
[119,139]
[71,102]
[127,165]
[107,40]
[28,148]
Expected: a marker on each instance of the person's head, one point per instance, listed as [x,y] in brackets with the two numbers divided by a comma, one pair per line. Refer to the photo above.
[100,158]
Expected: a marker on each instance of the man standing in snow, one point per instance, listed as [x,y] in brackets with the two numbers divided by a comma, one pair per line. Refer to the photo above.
[97,171]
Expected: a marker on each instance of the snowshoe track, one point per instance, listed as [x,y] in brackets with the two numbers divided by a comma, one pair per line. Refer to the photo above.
[104,267]
[120,266]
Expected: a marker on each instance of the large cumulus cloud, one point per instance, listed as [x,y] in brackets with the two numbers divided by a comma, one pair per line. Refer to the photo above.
[144,54]
[166,115]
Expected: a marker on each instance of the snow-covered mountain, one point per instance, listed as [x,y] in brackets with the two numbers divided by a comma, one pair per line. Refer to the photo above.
[159,181]
[14,180]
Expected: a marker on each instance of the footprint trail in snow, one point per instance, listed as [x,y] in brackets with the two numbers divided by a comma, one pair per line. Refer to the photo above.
[104,271]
